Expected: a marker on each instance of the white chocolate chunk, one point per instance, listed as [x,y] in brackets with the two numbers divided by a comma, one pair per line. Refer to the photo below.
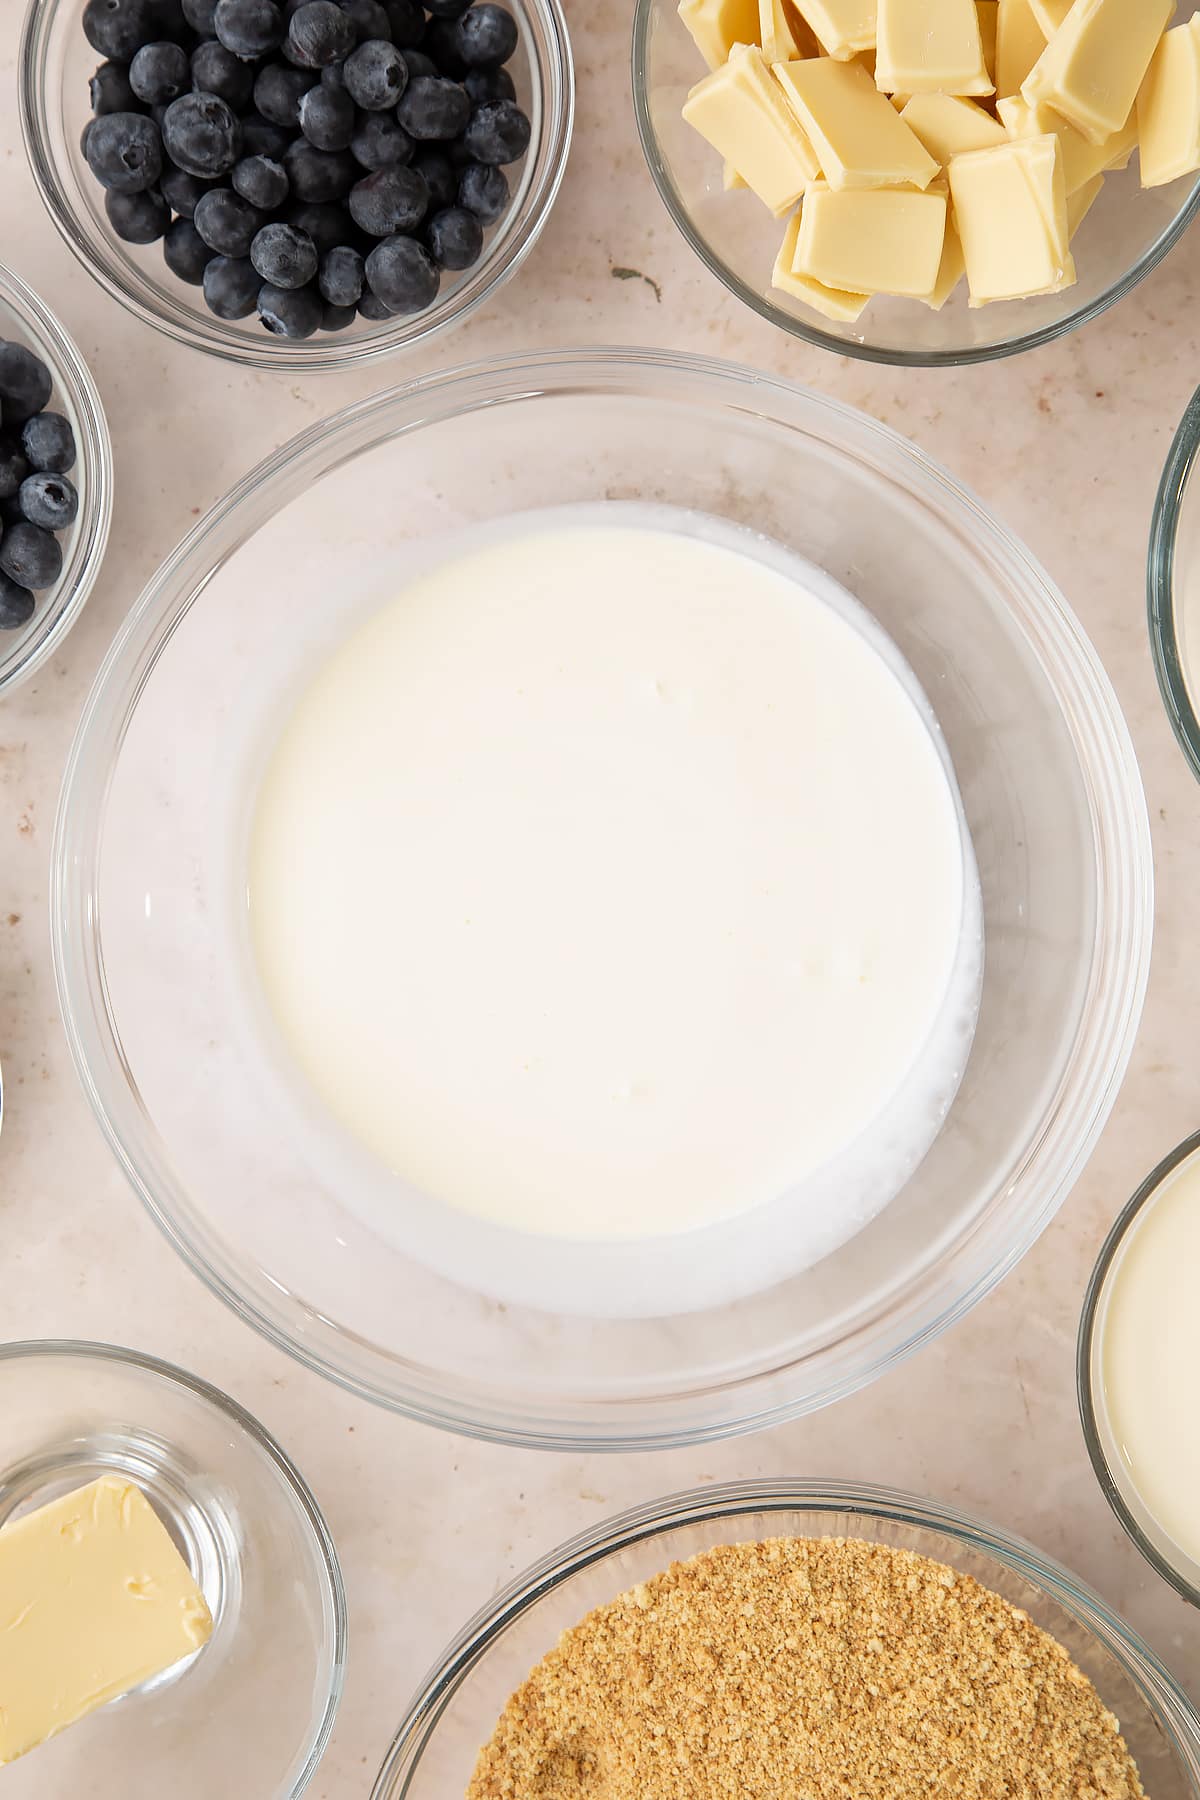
[930,47]
[741,111]
[1010,207]
[1050,15]
[1081,160]
[949,126]
[953,268]
[1081,202]
[843,28]
[782,33]
[989,26]
[717,25]
[1020,40]
[859,138]
[872,240]
[835,303]
[1092,68]
[1168,108]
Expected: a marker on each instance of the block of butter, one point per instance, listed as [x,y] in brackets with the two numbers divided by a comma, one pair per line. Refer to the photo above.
[930,47]
[741,110]
[717,25]
[872,240]
[1010,207]
[949,126]
[1020,40]
[1082,160]
[843,28]
[859,138]
[1093,66]
[1168,107]
[782,33]
[835,303]
[94,1600]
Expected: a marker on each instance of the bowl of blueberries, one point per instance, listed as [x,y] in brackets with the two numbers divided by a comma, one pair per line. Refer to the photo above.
[56,482]
[312,182]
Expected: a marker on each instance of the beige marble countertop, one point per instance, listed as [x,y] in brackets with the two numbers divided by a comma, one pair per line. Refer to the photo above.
[1066,445]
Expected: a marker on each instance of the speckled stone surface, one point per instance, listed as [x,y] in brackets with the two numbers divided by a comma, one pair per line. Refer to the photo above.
[1066,445]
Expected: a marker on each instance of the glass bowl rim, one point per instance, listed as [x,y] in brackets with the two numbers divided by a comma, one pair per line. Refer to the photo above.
[1124,1223]
[1174,1712]
[502,259]
[1160,583]
[825,340]
[1082,1100]
[95,453]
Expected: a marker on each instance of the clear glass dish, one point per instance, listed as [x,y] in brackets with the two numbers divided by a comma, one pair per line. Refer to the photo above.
[55,63]
[146,875]
[28,320]
[1173,586]
[456,1710]
[1126,234]
[269,1680]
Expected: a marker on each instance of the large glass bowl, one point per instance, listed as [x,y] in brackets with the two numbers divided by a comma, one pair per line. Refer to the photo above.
[56,61]
[1173,586]
[456,1710]
[1126,234]
[145,880]
[29,321]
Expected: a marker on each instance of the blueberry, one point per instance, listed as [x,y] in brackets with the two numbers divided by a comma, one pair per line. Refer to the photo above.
[263,137]
[160,73]
[376,75]
[227,223]
[250,28]
[489,84]
[185,252]
[202,134]
[25,384]
[319,33]
[485,36]
[49,501]
[326,224]
[434,109]
[290,312]
[13,467]
[49,443]
[402,274]
[110,90]
[138,218]
[372,307]
[216,70]
[124,152]
[279,90]
[483,190]
[390,200]
[418,63]
[201,16]
[119,28]
[336,318]
[440,42]
[407,22]
[284,256]
[182,191]
[332,77]
[83,137]
[172,23]
[16,605]
[446,9]
[441,177]
[261,181]
[455,238]
[231,287]
[319,174]
[498,132]
[340,276]
[327,117]
[369,18]
[30,556]
[379,142]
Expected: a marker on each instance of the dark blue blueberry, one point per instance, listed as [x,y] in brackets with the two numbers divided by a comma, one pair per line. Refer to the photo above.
[376,75]
[489,84]
[172,22]
[124,152]
[13,467]
[159,73]
[446,9]
[332,77]
[200,15]
[498,132]
[372,307]
[49,501]
[119,28]
[455,238]
[110,90]
[340,276]
[370,19]
[441,178]
[138,218]
[185,252]
[250,28]
[49,443]
[261,181]
[434,109]
[158,114]
[263,137]
[30,556]
[337,318]
[407,21]
[284,256]
[227,223]
[216,70]
[327,117]
[440,42]
[279,90]
[231,287]
[202,134]
[25,383]
[390,200]
[16,605]
[485,36]
[290,312]
[182,191]
[418,63]
[319,33]
[483,190]
[379,142]
[403,274]
[326,224]
[319,174]
[83,137]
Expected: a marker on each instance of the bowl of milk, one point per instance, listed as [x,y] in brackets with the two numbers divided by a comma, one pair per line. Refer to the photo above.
[601,899]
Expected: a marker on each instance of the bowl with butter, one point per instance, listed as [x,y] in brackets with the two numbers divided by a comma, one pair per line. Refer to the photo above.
[922,184]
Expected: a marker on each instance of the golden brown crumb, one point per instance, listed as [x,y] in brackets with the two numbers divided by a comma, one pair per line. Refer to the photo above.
[806,1669]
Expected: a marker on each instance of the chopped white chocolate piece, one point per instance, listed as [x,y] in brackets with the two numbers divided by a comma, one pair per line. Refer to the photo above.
[741,111]
[859,138]
[1010,207]
[717,25]
[1020,40]
[843,28]
[782,33]
[953,268]
[1081,202]
[1050,15]
[730,179]
[1168,108]
[930,47]
[835,303]
[988,28]
[1081,159]
[872,240]
[949,126]
[1092,68]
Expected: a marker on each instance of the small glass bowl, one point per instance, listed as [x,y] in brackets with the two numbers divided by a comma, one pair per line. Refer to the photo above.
[1112,1468]
[28,320]
[457,1708]
[56,61]
[252,1712]
[1173,586]
[1126,234]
